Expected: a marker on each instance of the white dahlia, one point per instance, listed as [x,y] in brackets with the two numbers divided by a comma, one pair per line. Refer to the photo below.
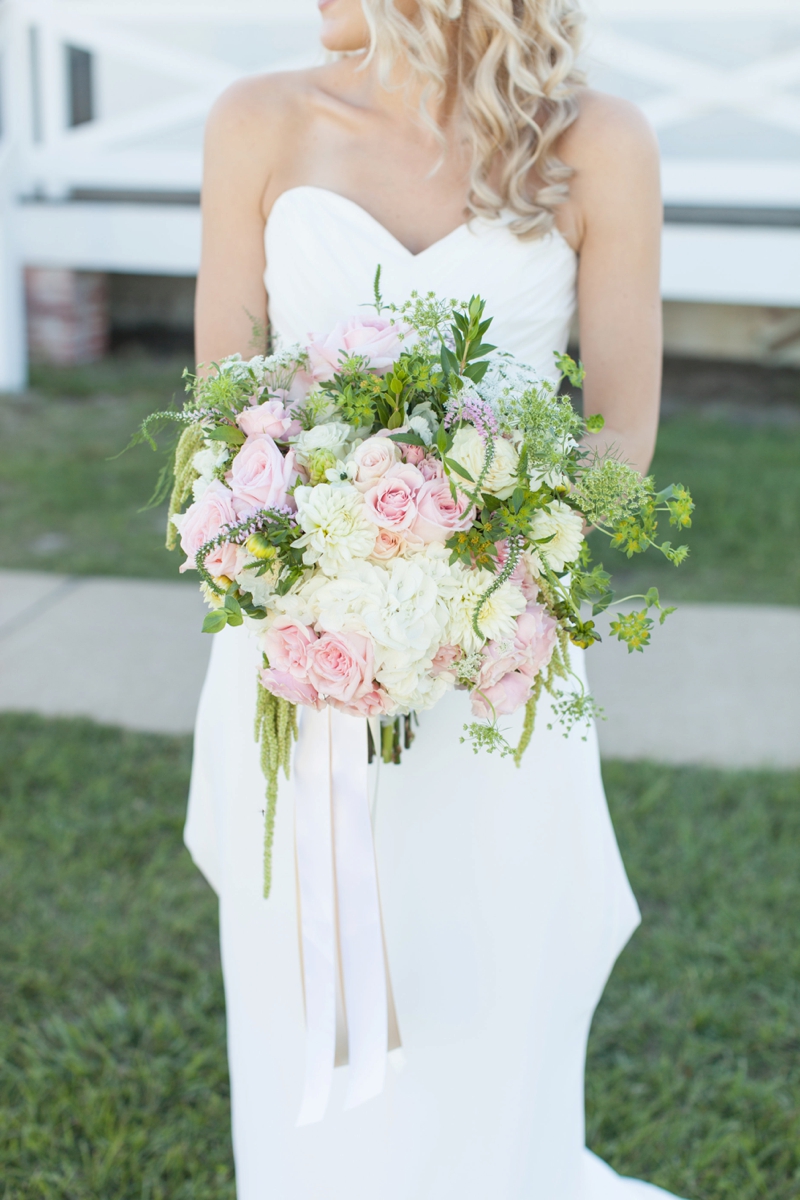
[335,528]
[497,617]
[565,528]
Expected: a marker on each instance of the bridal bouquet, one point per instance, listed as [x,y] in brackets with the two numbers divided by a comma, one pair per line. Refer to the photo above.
[398,508]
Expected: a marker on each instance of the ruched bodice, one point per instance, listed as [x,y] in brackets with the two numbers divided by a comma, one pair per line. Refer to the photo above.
[322,251]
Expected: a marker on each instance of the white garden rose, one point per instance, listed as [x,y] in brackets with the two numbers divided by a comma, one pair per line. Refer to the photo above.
[565,526]
[468,450]
[335,528]
[332,437]
[371,460]
[498,615]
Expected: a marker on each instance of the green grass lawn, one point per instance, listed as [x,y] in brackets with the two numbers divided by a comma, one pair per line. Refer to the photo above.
[113,1081]
[68,508]
[67,504]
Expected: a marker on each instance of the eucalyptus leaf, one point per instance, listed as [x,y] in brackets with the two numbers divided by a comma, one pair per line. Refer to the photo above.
[215,621]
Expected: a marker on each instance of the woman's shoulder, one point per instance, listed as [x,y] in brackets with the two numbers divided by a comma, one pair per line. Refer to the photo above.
[606,128]
[278,102]
[612,152]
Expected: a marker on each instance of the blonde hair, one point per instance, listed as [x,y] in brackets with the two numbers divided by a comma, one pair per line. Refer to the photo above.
[512,63]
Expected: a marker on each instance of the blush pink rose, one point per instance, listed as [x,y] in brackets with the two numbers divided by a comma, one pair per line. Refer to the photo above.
[202,522]
[289,687]
[509,669]
[413,454]
[390,503]
[285,644]
[271,418]
[510,692]
[444,660]
[371,704]
[388,544]
[375,339]
[431,468]
[261,476]
[439,516]
[535,638]
[340,666]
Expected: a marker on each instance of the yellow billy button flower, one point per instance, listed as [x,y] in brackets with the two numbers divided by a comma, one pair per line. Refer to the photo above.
[259,546]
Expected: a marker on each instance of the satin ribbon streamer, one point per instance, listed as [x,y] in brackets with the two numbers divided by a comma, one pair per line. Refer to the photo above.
[338,887]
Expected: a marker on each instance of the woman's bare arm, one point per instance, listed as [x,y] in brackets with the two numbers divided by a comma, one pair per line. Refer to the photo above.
[616,215]
[231,302]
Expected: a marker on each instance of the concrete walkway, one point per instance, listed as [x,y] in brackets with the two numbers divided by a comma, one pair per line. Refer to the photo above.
[719,686]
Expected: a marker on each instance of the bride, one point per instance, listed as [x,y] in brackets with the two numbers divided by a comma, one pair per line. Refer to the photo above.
[453,143]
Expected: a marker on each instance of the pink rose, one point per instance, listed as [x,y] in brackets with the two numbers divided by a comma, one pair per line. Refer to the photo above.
[439,516]
[202,522]
[431,468]
[375,339]
[388,544]
[285,644]
[390,503]
[289,687]
[444,660]
[509,669]
[510,692]
[271,418]
[340,666]
[371,704]
[535,638]
[413,454]
[373,458]
[260,476]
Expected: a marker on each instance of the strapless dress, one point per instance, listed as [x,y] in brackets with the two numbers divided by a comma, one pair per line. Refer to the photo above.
[505,901]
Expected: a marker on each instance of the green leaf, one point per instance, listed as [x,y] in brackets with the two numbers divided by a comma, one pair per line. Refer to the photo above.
[226,433]
[409,438]
[395,420]
[651,598]
[215,621]
[665,612]
[232,605]
[452,465]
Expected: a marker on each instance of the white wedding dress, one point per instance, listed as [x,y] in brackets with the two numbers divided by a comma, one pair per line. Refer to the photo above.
[505,901]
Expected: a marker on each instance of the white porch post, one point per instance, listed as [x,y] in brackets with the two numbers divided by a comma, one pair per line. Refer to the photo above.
[13,343]
[16,115]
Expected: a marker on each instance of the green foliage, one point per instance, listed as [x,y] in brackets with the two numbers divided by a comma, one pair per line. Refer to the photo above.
[184,475]
[608,491]
[467,332]
[275,730]
[549,426]
[488,737]
[576,374]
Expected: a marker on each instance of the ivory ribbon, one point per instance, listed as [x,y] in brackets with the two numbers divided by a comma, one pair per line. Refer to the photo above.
[340,910]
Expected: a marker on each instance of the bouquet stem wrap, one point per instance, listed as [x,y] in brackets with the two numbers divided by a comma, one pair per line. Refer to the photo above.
[339,910]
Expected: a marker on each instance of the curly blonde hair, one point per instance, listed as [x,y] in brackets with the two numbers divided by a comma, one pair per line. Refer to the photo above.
[512,64]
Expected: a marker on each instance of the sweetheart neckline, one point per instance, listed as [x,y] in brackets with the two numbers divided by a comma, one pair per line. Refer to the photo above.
[353,204]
